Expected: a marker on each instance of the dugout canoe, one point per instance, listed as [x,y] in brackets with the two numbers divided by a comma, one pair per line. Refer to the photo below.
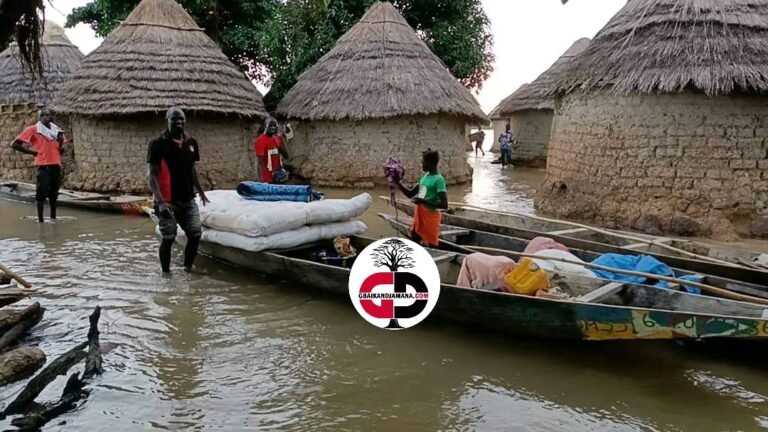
[634,312]
[528,229]
[126,204]
[467,238]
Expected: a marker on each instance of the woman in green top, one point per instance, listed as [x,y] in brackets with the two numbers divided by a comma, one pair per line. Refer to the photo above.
[429,196]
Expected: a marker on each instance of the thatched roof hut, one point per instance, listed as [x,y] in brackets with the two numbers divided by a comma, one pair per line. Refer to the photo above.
[666,108]
[60,59]
[380,89]
[158,58]
[529,111]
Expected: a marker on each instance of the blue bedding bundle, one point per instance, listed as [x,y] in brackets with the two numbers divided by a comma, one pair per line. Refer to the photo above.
[256,191]
[640,263]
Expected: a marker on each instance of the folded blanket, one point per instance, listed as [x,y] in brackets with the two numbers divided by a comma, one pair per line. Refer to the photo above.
[255,191]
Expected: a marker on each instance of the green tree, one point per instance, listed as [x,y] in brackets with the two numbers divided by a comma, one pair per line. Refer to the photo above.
[274,41]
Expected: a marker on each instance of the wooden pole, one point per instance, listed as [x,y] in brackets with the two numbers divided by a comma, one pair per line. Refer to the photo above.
[18,278]
[604,232]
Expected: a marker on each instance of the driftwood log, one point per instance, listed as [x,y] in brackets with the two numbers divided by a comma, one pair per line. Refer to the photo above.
[18,330]
[9,319]
[74,389]
[19,363]
[12,295]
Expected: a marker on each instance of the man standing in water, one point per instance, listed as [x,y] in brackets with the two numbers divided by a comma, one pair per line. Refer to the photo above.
[269,147]
[506,146]
[46,141]
[172,176]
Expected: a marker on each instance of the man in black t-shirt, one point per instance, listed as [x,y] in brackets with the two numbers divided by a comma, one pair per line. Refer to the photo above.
[172,178]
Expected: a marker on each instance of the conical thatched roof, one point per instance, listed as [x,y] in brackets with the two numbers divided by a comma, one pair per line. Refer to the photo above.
[60,59]
[666,46]
[379,69]
[538,94]
[158,58]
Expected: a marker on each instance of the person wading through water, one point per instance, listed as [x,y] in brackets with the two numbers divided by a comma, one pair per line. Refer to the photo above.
[429,197]
[269,146]
[172,176]
[506,139]
[46,141]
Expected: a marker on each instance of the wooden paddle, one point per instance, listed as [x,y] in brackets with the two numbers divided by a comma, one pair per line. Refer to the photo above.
[18,278]
[604,232]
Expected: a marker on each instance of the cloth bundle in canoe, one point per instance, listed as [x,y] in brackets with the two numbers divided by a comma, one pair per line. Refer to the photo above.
[255,191]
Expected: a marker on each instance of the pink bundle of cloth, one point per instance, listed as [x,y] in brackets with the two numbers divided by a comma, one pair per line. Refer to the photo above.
[394,171]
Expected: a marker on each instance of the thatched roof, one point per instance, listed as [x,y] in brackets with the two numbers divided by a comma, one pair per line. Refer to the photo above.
[538,94]
[667,46]
[60,59]
[158,58]
[380,68]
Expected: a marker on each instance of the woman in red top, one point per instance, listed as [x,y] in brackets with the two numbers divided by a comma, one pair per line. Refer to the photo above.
[269,147]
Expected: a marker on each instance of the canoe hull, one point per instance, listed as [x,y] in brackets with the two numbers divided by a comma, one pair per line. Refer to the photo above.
[131,205]
[519,315]
[753,276]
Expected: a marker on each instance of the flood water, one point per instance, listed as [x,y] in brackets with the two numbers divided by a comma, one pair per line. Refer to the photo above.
[225,350]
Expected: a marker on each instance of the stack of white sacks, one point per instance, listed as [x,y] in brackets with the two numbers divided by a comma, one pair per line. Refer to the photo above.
[255,226]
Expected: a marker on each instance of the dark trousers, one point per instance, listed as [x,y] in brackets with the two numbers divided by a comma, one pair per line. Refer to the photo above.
[48,183]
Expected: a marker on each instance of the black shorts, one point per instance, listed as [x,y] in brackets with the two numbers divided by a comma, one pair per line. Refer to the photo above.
[48,182]
[184,214]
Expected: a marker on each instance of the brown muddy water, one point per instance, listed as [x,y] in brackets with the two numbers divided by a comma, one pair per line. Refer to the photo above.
[225,350]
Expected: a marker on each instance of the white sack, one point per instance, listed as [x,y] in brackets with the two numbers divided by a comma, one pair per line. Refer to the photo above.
[558,266]
[283,240]
[229,212]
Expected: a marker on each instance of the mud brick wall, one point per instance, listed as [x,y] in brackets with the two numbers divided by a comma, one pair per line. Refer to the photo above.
[352,154]
[532,132]
[111,153]
[683,164]
[19,166]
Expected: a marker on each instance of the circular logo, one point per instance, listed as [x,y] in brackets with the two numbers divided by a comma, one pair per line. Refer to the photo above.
[394,284]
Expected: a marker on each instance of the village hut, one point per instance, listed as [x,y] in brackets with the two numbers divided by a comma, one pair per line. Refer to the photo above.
[380,92]
[530,110]
[158,58]
[21,93]
[662,123]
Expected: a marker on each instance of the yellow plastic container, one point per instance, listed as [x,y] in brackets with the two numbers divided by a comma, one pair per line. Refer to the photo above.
[527,278]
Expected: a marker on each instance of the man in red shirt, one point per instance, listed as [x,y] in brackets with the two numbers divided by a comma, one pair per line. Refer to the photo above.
[173,180]
[46,141]
[269,147]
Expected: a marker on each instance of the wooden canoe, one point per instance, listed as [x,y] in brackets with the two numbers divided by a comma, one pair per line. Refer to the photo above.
[127,204]
[467,237]
[633,312]
[529,229]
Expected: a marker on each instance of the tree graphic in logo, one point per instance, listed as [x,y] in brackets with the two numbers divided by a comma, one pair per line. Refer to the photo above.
[393,254]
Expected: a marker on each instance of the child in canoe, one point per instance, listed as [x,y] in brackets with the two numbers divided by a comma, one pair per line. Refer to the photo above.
[429,196]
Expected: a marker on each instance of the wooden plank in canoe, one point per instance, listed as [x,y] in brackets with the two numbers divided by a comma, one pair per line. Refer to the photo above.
[453,231]
[640,245]
[568,231]
[601,293]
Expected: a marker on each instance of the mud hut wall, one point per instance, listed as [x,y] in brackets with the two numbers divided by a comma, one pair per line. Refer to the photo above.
[352,153]
[111,152]
[19,166]
[671,158]
[532,129]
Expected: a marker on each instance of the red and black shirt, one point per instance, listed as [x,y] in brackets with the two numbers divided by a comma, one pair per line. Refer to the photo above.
[176,158]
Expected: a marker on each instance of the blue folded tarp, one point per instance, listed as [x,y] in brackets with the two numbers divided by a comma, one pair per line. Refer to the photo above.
[640,263]
[256,191]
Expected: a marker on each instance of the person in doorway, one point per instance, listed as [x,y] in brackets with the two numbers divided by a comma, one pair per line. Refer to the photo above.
[173,178]
[506,146]
[269,148]
[429,196]
[45,141]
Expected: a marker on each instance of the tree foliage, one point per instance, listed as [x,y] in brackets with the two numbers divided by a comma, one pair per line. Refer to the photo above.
[274,41]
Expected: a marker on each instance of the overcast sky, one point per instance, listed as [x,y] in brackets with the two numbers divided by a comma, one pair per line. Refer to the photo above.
[529,36]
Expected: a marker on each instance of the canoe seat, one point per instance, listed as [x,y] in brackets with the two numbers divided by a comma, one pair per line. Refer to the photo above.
[454,231]
[443,257]
[601,293]
[640,245]
[568,231]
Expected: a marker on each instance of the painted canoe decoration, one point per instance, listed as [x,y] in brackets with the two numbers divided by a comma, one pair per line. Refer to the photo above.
[127,204]
[634,312]
[742,267]
[472,238]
